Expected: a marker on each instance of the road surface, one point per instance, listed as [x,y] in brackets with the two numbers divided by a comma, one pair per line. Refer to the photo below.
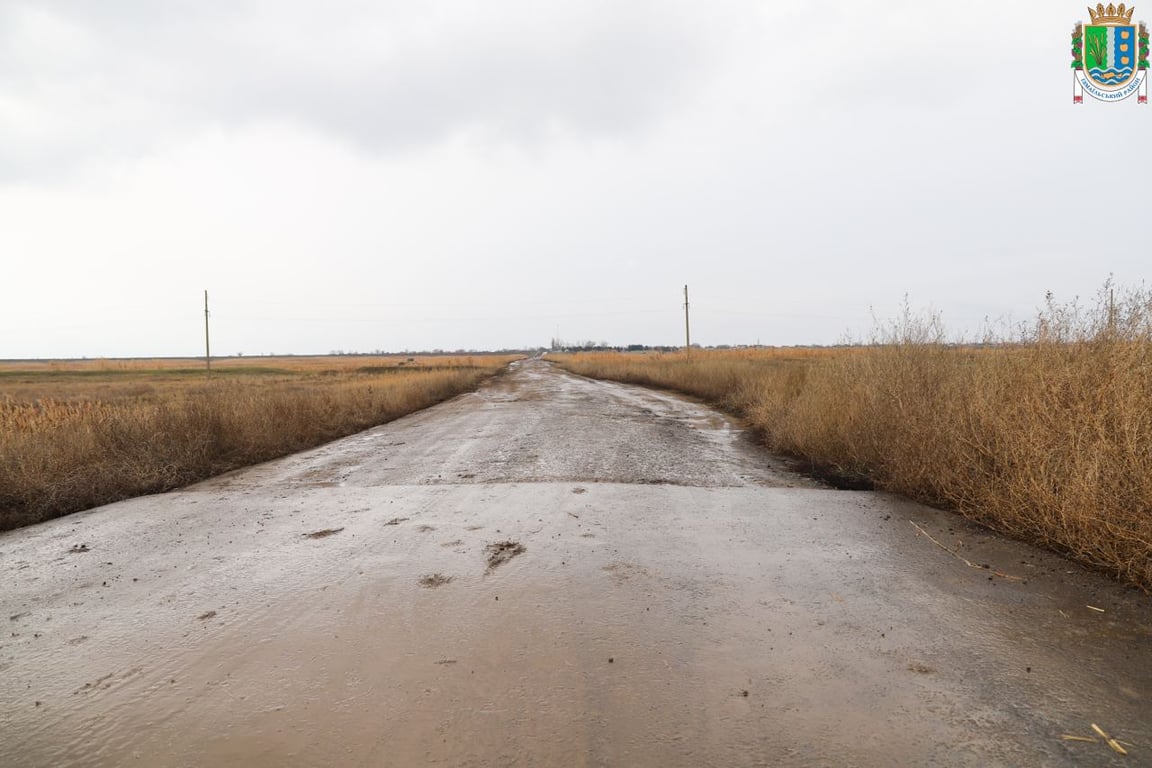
[681,599]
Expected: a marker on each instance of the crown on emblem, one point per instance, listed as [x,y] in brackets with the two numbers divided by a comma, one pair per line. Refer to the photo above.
[1112,14]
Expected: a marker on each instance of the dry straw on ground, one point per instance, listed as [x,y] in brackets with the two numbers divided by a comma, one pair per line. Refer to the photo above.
[1044,432]
[77,435]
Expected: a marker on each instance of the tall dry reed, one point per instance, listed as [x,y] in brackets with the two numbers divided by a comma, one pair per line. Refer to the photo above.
[1043,432]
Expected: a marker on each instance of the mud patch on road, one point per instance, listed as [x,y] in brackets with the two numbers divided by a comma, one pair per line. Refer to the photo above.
[840,478]
[426,528]
[501,552]
[622,572]
[433,580]
[100,684]
[396,521]
[106,682]
[322,534]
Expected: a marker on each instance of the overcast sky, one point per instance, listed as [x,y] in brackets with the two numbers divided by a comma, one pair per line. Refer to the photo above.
[369,174]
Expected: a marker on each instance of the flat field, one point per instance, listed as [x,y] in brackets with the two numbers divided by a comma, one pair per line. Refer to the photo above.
[77,434]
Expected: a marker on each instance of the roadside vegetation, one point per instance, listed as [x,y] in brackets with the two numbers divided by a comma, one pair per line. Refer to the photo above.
[74,435]
[1043,432]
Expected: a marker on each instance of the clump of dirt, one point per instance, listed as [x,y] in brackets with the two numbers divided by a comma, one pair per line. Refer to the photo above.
[920,669]
[434,580]
[502,551]
[425,528]
[79,548]
[396,521]
[579,490]
[322,534]
[207,615]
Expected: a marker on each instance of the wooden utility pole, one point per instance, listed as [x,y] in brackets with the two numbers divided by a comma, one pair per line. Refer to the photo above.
[207,346]
[687,329]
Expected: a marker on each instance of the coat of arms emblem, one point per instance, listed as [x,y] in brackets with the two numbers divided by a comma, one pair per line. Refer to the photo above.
[1110,56]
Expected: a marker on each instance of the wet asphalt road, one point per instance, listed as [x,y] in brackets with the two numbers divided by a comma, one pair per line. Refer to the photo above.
[682,600]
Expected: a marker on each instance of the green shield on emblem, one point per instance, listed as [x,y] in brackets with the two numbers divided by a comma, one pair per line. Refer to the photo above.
[1110,54]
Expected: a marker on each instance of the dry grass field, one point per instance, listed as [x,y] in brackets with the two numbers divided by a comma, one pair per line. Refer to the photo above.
[77,434]
[1044,433]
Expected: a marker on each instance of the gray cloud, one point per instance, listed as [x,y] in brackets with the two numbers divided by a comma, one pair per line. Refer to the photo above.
[80,80]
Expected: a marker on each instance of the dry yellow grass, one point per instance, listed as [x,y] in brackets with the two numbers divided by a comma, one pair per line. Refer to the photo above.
[77,435]
[1046,436]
